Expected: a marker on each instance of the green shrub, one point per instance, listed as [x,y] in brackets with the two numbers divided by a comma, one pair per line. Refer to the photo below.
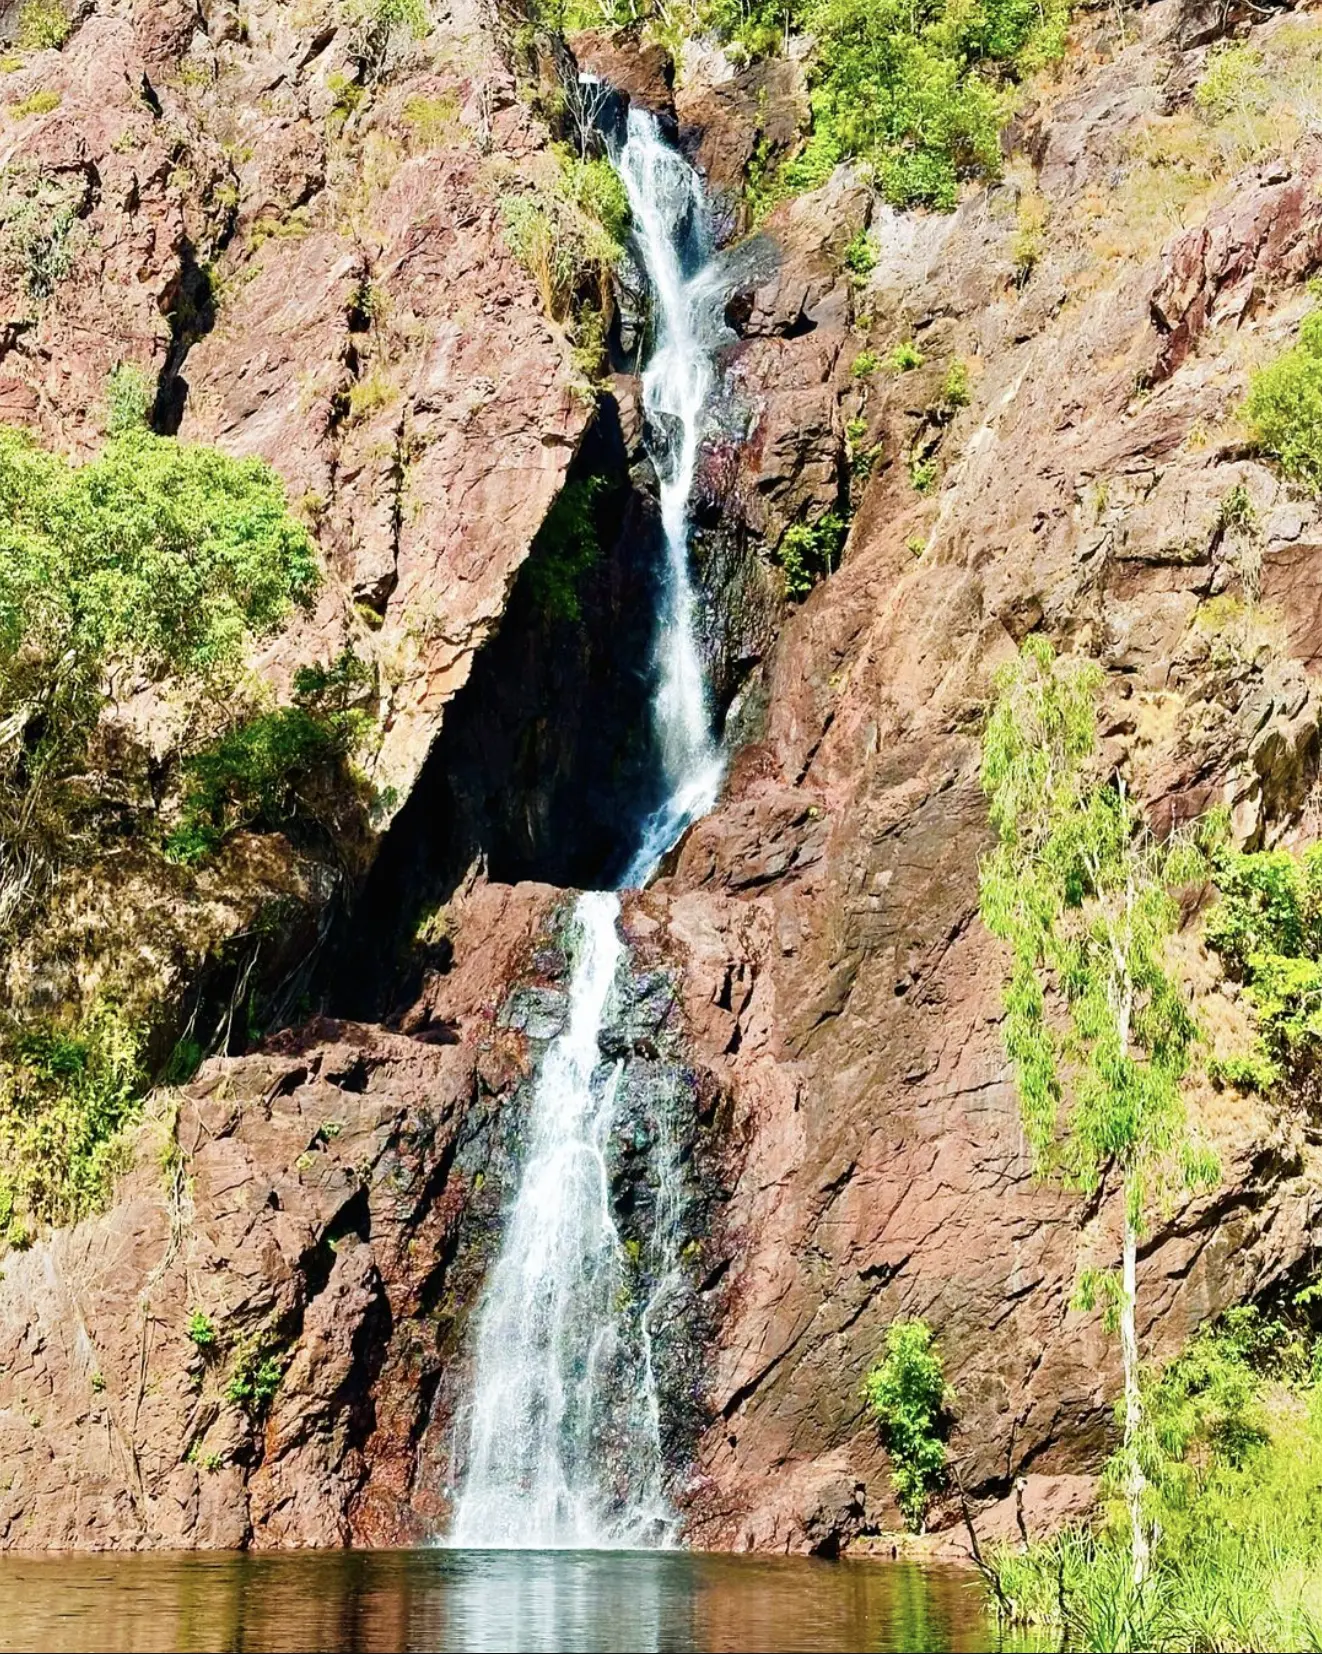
[40,229]
[909,1398]
[42,25]
[807,552]
[129,399]
[1267,928]
[1237,513]
[433,122]
[1233,81]
[1284,407]
[955,391]
[1233,1453]
[923,474]
[202,1330]
[905,357]
[255,1375]
[276,767]
[68,1087]
[39,103]
[375,26]
[763,187]
[860,258]
[865,364]
[569,235]
[1031,217]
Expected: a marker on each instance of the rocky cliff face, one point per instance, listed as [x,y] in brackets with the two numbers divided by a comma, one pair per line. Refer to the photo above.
[327,1202]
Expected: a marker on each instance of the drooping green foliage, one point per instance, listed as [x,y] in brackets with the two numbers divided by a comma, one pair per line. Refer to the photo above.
[67,1087]
[1267,927]
[1284,406]
[1083,894]
[1232,1446]
[569,233]
[909,1397]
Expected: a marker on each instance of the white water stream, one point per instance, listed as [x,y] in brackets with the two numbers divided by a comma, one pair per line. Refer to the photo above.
[564,1437]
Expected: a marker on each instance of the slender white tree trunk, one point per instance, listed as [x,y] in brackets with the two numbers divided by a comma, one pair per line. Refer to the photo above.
[1135,1481]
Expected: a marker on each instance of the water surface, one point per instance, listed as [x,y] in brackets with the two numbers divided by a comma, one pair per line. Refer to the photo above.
[439,1599]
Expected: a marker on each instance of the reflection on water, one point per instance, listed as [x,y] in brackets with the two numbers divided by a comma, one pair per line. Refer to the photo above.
[440,1599]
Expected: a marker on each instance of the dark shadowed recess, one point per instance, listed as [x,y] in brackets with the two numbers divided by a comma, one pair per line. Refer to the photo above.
[545,766]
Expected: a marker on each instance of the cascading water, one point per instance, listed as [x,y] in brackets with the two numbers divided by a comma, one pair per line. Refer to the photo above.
[564,1438]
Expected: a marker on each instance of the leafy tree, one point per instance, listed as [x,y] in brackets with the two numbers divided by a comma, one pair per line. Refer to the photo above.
[277,765]
[158,560]
[908,1395]
[1082,892]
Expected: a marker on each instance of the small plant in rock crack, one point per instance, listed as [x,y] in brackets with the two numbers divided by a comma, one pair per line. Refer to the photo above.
[809,551]
[910,1400]
[905,357]
[202,1331]
[860,257]
[254,1377]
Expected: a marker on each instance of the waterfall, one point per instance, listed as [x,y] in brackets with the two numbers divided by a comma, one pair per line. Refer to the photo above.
[564,1433]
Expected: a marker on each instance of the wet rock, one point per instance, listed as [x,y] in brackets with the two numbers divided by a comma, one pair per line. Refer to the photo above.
[540,1013]
[737,121]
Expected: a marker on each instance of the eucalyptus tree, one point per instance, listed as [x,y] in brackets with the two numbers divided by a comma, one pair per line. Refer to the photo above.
[1097,1026]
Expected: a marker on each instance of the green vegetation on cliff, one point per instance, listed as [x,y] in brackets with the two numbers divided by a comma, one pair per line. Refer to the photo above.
[1082,892]
[277,767]
[908,1396]
[1267,928]
[920,93]
[1232,1457]
[132,589]
[1284,407]
[157,562]
[66,1089]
